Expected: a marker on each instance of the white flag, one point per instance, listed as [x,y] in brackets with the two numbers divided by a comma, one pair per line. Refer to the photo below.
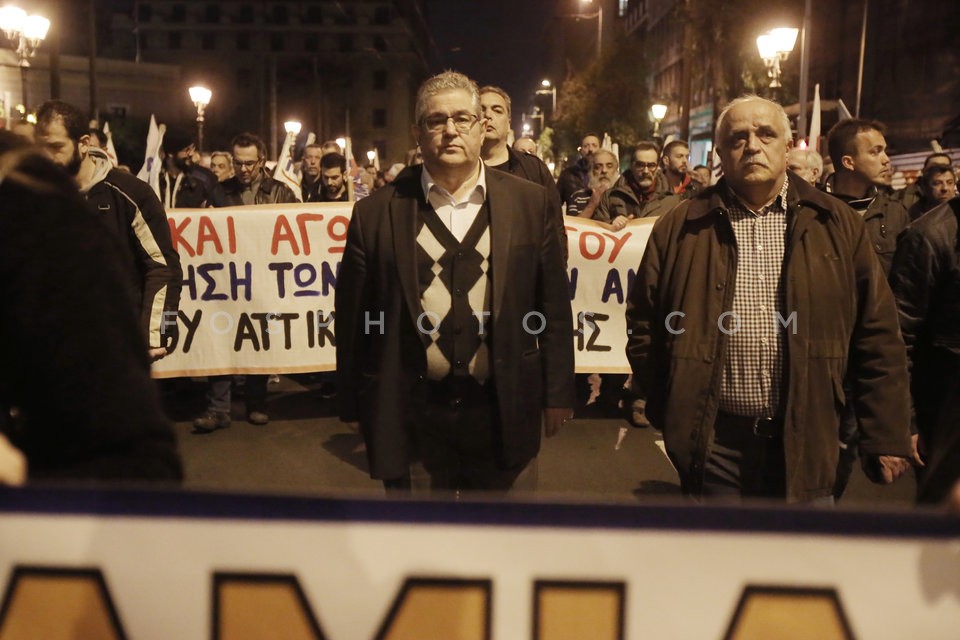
[150,171]
[814,140]
[286,171]
[111,150]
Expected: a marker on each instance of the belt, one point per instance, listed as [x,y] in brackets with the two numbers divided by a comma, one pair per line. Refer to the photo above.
[460,391]
[760,427]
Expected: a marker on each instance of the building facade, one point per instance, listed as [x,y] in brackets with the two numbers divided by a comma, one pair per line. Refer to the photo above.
[347,67]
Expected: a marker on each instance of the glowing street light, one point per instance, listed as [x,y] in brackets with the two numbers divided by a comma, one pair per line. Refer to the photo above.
[292,126]
[25,34]
[548,89]
[774,47]
[201,98]
[658,111]
[342,143]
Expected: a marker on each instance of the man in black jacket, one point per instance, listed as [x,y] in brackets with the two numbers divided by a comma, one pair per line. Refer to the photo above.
[251,184]
[497,154]
[183,184]
[130,208]
[925,279]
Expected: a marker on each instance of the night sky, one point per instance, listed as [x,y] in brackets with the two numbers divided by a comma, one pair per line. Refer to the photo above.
[498,42]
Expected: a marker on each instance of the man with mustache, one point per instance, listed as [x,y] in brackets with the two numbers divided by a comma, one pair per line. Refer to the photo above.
[184,184]
[604,168]
[752,301]
[635,194]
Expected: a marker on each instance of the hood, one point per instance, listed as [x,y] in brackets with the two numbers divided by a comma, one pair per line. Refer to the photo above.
[102,167]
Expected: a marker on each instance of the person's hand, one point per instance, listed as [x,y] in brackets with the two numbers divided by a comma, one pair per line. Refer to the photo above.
[597,195]
[156,353]
[953,500]
[554,418]
[13,464]
[892,467]
[619,223]
[915,458]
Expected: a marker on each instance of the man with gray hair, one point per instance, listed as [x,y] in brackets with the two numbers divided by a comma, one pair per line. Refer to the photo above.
[806,163]
[752,301]
[454,328]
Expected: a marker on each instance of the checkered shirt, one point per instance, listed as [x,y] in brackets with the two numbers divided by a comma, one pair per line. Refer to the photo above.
[753,371]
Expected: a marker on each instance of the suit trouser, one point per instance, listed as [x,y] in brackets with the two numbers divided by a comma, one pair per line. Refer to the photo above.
[456,439]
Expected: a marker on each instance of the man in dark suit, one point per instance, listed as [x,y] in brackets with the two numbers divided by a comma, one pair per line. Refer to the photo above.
[454,329]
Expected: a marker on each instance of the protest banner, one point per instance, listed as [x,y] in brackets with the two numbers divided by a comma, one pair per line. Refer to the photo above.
[259,283]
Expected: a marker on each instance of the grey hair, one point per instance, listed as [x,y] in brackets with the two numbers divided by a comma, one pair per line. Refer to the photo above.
[809,157]
[446,81]
[721,121]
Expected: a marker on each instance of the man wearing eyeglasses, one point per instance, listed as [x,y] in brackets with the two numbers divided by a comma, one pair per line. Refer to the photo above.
[250,183]
[635,194]
[454,329]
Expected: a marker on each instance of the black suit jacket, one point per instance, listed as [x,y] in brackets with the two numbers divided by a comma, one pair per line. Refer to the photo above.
[381,355]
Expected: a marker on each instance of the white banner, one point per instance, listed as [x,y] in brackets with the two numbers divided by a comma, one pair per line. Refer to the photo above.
[155,565]
[259,285]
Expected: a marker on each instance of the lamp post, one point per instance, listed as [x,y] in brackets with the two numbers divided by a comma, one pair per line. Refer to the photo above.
[599,16]
[657,111]
[774,47]
[548,89]
[25,34]
[201,98]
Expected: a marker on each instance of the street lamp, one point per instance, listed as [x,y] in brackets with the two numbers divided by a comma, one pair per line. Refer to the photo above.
[599,16]
[201,98]
[658,111]
[548,89]
[25,34]
[774,47]
[292,126]
[342,143]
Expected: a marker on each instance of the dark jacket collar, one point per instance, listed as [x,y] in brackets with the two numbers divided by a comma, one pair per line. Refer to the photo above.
[799,193]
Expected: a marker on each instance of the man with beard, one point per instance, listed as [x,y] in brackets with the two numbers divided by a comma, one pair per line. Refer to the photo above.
[251,184]
[333,178]
[184,184]
[130,209]
[603,169]
[577,176]
[676,161]
[635,194]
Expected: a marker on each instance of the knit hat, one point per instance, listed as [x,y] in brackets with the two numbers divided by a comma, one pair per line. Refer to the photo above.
[176,139]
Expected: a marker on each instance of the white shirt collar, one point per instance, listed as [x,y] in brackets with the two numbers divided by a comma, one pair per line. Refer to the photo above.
[427,183]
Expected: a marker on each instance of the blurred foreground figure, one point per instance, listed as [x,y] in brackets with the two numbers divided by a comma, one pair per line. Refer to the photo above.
[75,390]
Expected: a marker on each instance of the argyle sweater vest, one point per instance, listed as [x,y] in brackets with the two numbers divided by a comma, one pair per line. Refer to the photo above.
[454,284]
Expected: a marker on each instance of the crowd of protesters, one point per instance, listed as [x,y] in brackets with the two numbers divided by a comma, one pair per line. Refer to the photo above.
[894,314]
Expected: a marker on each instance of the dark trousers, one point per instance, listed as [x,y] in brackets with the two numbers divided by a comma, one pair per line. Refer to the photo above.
[219,393]
[744,464]
[457,438]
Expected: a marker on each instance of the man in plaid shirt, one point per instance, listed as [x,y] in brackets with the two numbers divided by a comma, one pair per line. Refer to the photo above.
[752,303]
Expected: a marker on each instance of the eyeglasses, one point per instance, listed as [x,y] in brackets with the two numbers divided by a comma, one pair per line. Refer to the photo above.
[246,164]
[462,122]
[645,165]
